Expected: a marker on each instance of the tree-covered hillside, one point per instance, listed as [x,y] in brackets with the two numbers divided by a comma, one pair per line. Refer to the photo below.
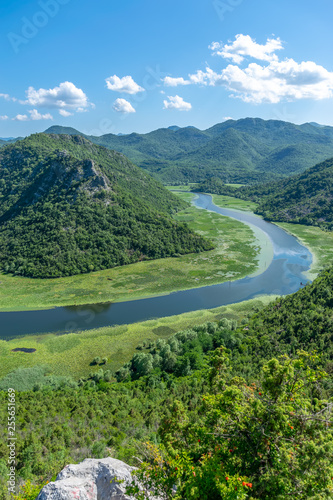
[306,198]
[68,206]
[252,416]
[245,151]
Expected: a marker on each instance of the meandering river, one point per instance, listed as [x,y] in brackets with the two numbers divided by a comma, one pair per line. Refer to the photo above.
[284,274]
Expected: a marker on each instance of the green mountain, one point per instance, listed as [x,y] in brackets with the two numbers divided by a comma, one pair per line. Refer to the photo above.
[305,198]
[57,129]
[5,142]
[244,151]
[68,206]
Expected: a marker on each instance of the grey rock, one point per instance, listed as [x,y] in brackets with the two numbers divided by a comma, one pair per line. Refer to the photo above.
[90,480]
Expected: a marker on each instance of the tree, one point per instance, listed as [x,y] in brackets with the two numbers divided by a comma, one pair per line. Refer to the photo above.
[268,440]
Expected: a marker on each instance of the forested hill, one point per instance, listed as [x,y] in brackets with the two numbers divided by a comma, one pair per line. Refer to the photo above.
[305,198]
[245,150]
[68,206]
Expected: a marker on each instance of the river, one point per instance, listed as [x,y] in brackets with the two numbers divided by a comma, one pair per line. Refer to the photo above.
[284,274]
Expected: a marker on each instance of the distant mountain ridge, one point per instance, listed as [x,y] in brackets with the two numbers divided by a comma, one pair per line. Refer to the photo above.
[4,141]
[246,150]
[68,206]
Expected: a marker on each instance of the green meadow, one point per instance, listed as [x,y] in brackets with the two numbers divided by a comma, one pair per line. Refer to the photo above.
[71,354]
[318,241]
[235,256]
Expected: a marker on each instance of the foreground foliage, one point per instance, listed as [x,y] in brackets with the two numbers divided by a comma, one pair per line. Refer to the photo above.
[257,410]
[271,440]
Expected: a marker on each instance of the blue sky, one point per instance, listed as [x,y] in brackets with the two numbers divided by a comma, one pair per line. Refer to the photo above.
[122,66]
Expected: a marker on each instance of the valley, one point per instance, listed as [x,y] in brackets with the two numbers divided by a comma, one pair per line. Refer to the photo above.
[115,287]
[234,244]
[166,250]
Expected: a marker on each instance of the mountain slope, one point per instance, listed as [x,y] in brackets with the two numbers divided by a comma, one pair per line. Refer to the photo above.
[246,150]
[306,198]
[68,206]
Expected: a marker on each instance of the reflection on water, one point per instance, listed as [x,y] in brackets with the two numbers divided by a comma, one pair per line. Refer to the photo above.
[283,276]
[89,308]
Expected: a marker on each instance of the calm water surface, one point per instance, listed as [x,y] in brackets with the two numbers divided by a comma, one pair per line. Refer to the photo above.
[283,276]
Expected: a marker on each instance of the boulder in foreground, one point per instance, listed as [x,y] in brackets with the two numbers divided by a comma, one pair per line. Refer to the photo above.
[90,480]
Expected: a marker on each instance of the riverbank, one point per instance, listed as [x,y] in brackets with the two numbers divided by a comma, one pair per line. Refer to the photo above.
[71,354]
[234,257]
[319,242]
[264,244]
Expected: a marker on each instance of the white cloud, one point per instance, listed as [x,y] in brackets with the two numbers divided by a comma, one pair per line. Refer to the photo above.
[63,112]
[123,106]
[280,80]
[244,46]
[125,84]
[7,97]
[177,102]
[66,95]
[271,81]
[34,115]
[4,117]
[21,118]
[174,82]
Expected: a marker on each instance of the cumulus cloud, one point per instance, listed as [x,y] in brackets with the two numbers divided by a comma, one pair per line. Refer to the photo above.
[271,81]
[7,97]
[4,117]
[34,115]
[125,84]
[65,96]
[21,118]
[65,113]
[244,46]
[123,106]
[174,82]
[177,102]
[285,80]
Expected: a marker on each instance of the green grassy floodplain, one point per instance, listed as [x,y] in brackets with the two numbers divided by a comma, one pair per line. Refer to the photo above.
[235,256]
[319,242]
[71,354]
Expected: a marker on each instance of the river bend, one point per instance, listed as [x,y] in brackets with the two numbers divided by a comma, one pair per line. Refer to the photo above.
[284,275]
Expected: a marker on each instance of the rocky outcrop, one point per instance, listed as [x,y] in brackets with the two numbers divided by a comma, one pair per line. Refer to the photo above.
[90,480]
